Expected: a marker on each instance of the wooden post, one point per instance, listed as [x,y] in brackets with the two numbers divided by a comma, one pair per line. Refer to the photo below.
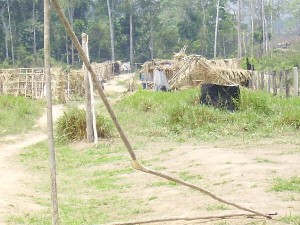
[257,80]
[19,89]
[296,81]
[88,101]
[42,86]
[269,80]
[262,83]
[52,159]
[26,80]
[32,86]
[253,80]
[68,86]
[274,81]
[287,83]
[281,79]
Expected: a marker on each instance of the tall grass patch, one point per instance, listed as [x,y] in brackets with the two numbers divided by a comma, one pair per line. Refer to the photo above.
[18,114]
[72,126]
[259,114]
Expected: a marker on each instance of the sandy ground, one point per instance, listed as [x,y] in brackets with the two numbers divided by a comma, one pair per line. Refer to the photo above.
[237,171]
[15,190]
[241,173]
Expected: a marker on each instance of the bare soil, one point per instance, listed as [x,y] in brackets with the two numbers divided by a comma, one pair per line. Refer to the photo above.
[240,171]
[15,188]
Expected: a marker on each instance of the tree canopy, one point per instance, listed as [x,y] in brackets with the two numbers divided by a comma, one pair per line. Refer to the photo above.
[160,28]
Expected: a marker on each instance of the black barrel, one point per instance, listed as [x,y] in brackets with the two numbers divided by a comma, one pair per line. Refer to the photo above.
[220,96]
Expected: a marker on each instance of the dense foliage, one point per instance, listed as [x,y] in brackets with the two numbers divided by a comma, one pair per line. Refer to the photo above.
[171,23]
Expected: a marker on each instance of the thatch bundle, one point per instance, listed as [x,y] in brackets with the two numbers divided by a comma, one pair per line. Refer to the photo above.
[225,63]
[162,64]
[103,70]
[197,70]
[193,70]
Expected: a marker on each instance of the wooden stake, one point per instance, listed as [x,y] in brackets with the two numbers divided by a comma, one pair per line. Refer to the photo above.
[88,97]
[287,83]
[49,113]
[296,81]
[274,81]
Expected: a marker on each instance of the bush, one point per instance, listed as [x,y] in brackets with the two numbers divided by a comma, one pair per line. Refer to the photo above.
[72,126]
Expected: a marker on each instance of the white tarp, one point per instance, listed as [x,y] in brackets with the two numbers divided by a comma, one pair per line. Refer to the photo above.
[160,81]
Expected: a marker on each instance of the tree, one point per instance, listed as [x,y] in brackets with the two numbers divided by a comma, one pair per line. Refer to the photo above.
[111,28]
[239,28]
[216,29]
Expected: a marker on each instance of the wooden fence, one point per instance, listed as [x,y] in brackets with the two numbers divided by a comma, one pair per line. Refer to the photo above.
[282,83]
[30,82]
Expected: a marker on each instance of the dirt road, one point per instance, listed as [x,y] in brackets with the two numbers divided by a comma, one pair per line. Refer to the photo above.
[14,177]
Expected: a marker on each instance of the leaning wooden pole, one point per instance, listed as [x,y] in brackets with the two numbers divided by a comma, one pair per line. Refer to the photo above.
[135,163]
[49,113]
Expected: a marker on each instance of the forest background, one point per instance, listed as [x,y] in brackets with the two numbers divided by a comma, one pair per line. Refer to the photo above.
[141,30]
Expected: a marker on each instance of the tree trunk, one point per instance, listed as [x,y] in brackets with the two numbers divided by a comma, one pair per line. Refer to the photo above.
[252,29]
[216,29]
[34,33]
[151,38]
[10,33]
[131,43]
[49,113]
[6,34]
[111,28]
[263,26]
[71,18]
[239,29]
[67,50]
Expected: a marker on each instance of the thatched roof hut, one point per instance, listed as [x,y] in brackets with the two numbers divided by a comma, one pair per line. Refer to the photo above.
[193,70]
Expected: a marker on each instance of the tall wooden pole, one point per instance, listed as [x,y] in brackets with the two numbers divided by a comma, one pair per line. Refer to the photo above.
[49,113]
[88,98]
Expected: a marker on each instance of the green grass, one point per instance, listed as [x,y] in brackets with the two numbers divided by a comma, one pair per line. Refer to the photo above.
[86,180]
[18,114]
[292,184]
[263,160]
[163,183]
[187,176]
[216,207]
[179,115]
[294,220]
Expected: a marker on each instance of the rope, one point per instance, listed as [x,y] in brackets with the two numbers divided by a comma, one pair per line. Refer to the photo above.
[135,163]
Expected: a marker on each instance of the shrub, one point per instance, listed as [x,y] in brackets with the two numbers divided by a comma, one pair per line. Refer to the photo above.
[72,126]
